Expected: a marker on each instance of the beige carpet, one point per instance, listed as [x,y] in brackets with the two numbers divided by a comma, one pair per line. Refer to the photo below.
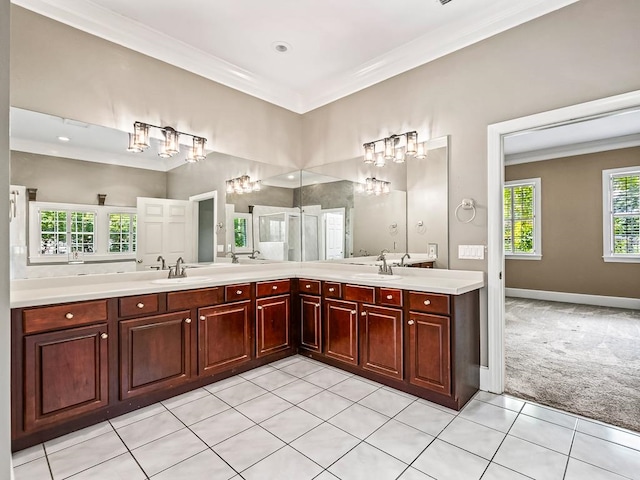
[579,358]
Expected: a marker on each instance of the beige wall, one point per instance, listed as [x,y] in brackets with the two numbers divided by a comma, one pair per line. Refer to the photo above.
[5,330]
[62,71]
[572,251]
[74,181]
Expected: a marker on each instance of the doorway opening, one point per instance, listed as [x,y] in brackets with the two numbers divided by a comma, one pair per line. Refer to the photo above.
[205,226]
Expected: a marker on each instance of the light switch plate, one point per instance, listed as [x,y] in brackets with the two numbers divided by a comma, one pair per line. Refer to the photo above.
[220,248]
[471,252]
[433,250]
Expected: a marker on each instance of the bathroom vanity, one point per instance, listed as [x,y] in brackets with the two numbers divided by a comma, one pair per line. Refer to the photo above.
[89,348]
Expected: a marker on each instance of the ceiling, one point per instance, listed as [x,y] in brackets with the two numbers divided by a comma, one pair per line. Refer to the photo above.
[336,47]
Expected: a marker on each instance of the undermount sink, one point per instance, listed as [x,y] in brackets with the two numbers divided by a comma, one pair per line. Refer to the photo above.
[376,276]
[181,280]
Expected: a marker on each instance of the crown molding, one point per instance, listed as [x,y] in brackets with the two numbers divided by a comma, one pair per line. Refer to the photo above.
[582,148]
[118,29]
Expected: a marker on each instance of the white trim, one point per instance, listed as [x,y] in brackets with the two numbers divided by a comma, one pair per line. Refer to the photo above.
[484,378]
[124,31]
[495,181]
[580,298]
[607,227]
[621,259]
[522,256]
[572,150]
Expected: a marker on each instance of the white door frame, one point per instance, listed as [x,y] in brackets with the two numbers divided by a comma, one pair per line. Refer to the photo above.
[197,198]
[494,380]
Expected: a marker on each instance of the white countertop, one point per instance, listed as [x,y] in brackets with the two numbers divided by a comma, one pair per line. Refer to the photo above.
[45,291]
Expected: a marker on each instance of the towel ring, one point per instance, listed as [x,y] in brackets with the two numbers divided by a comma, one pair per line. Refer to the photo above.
[466,204]
[393,228]
[421,227]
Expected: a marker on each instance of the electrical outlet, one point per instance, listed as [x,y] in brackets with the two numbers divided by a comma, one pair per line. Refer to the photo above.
[471,252]
[433,250]
[220,248]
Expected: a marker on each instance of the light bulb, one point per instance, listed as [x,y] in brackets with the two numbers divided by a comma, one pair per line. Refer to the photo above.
[171,146]
[198,148]
[369,152]
[141,135]
[389,147]
[421,150]
[399,156]
[132,144]
[380,160]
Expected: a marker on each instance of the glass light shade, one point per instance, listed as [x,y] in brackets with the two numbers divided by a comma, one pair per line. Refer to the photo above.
[399,156]
[237,186]
[257,185]
[369,185]
[369,152]
[245,183]
[141,135]
[162,152]
[412,141]
[132,144]
[377,187]
[198,148]
[230,188]
[380,160]
[421,150]
[389,147]
[386,187]
[190,158]
[359,188]
[171,145]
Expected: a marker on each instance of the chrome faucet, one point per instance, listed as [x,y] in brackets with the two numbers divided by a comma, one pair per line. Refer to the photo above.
[234,257]
[164,264]
[403,257]
[253,254]
[384,268]
[178,271]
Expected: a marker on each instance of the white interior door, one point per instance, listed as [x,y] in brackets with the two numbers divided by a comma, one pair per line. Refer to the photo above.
[164,228]
[334,235]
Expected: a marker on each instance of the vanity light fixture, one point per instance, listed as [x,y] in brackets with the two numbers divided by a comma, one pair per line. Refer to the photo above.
[373,186]
[394,149]
[242,185]
[139,142]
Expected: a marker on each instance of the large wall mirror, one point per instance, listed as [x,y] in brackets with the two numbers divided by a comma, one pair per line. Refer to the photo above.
[316,214]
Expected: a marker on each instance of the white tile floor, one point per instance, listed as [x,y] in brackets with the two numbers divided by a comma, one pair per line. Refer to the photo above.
[298,419]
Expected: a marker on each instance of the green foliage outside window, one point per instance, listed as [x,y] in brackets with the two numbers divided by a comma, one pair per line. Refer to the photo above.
[122,233]
[625,199]
[519,215]
[240,232]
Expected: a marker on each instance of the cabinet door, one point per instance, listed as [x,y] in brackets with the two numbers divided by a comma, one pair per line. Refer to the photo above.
[310,323]
[65,374]
[224,337]
[155,353]
[341,330]
[430,352]
[272,318]
[381,340]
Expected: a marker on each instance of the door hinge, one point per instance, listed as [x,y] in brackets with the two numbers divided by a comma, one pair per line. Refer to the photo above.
[500,275]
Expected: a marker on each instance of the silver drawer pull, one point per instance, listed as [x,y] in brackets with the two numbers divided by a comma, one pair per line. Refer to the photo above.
[202,317]
[187,320]
[389,297]
[332,289]
[238,292]
[68,316]
[317,305]
[307,286]
[353,312]
[140,305]
[259,307]
[427,302]
[275,287]
[363,314]
[104,336]
[411,322]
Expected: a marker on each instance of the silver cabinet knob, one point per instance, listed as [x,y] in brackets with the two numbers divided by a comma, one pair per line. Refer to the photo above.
[275,287]
[104,336]
[363,314]
[353,312]
[427,302]
[389,297]
[317,305]
[259,307]
[411,322]
[187,320]
[238,292]
[68,316]
[202,317]
[140,305]
[307,286]
[332,289]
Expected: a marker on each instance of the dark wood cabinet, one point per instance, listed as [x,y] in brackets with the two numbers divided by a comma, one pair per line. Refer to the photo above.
[341,330]
[310,323]
[224,337]
[155,353]
[65,374]
[381,345]
[430,352]
[272,324]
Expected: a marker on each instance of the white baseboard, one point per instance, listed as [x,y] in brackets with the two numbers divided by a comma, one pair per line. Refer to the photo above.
[484,378]
[601,300]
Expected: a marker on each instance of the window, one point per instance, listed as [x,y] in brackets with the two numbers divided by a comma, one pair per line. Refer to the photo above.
[122,232]
[522,229]
[242,232]
[57,230]
[621,214]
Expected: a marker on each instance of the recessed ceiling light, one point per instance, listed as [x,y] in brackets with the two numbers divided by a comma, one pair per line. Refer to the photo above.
[64,139]
[291,177]
[281,47]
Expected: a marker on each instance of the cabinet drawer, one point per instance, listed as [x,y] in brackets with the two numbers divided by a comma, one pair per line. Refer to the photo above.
[429,302]
[390,296]
[64,316]
[234,293]
[309,286]
[332,289]
[272,287]
[194,298]
[359,293]
[138,305]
